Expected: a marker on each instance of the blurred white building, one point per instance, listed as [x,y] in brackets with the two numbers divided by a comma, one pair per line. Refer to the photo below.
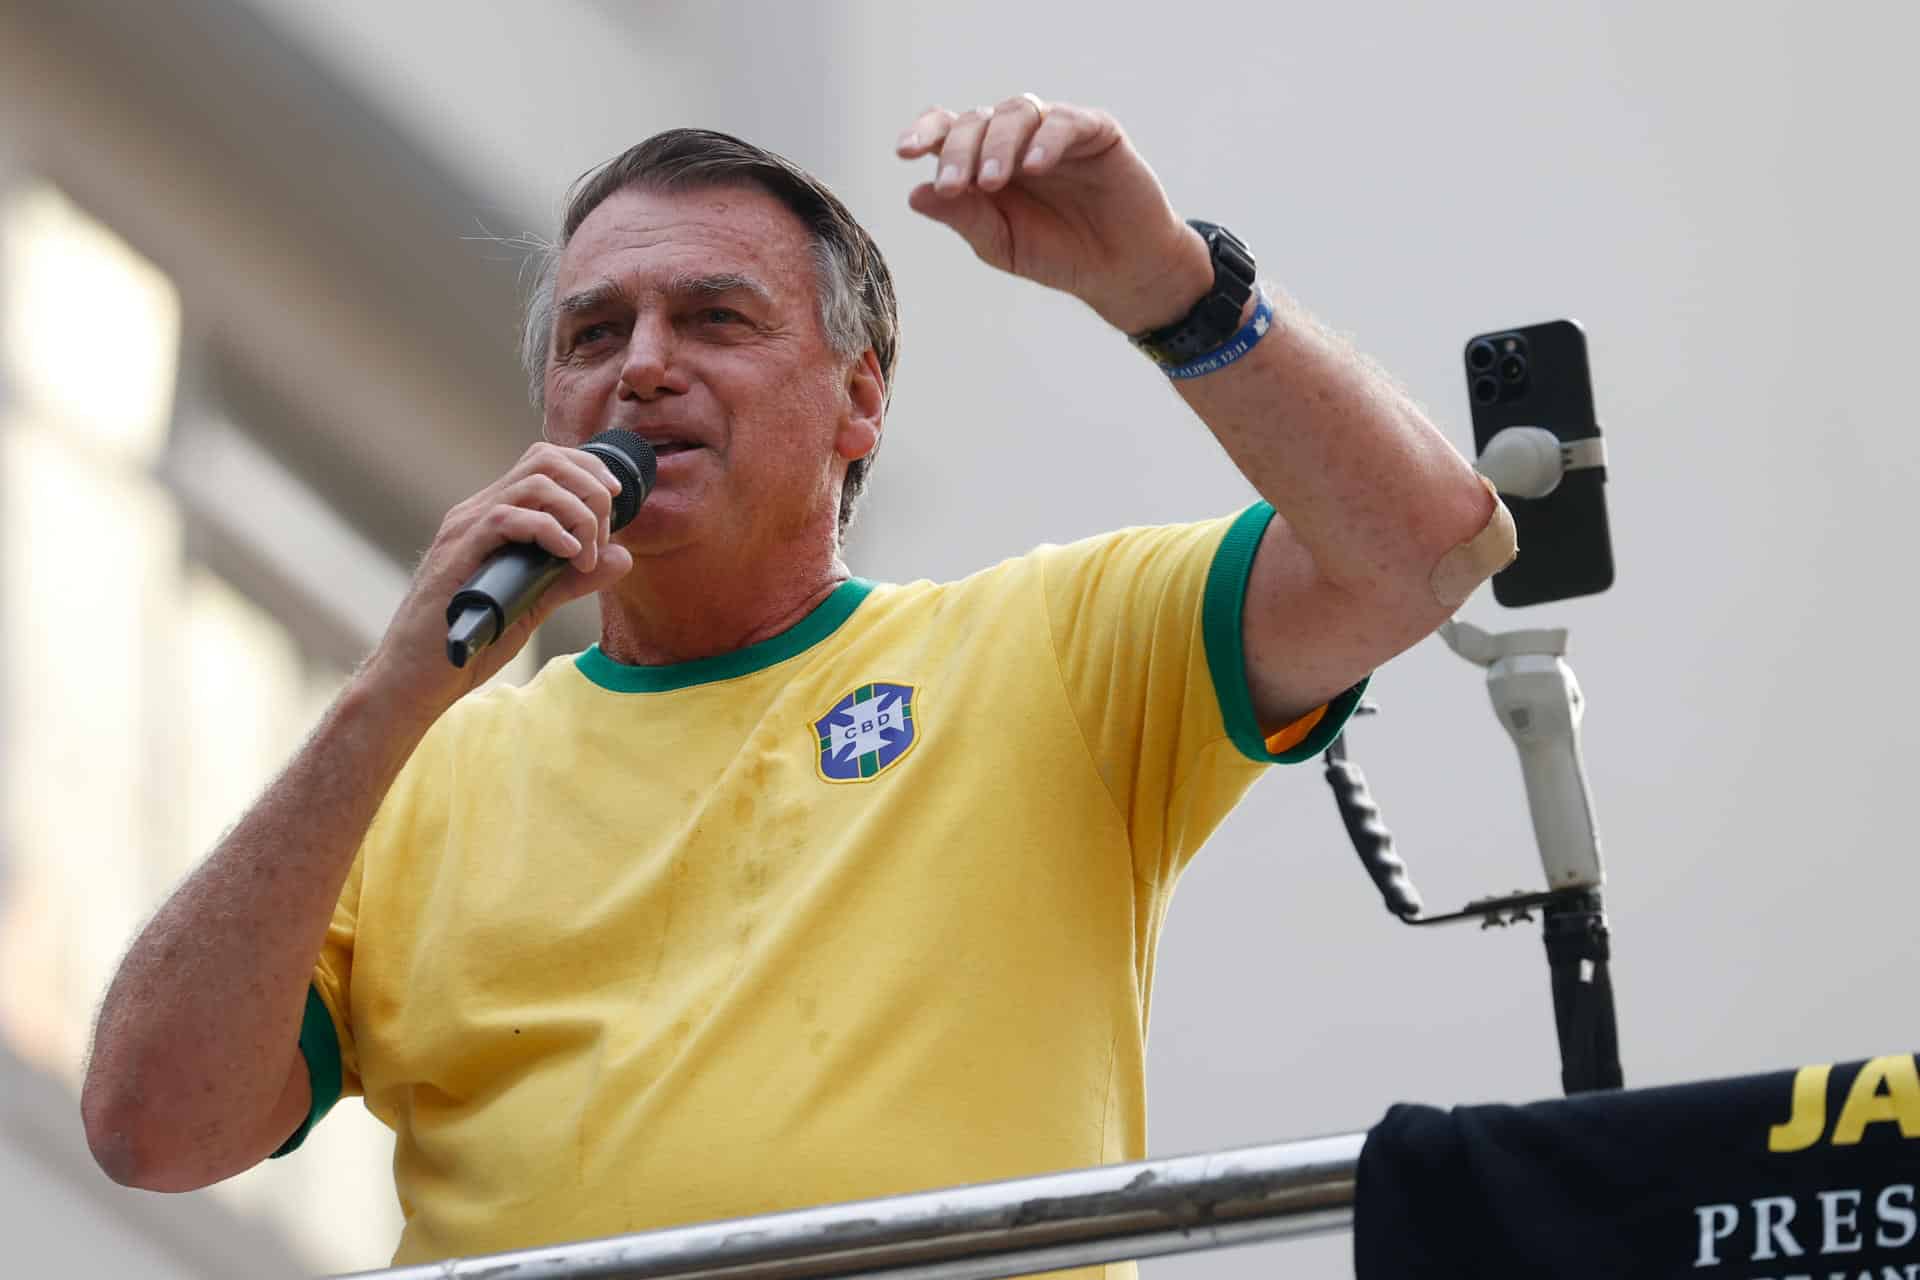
[188,564]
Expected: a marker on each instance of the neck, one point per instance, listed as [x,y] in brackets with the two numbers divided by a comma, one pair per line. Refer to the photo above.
[676,608]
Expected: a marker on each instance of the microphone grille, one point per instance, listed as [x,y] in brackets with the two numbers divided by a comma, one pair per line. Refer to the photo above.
[631,460]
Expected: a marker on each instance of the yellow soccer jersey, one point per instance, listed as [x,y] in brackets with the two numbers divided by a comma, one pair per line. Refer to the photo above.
[866,908]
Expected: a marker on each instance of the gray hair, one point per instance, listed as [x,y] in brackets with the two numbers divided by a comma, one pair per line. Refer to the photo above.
[858,309]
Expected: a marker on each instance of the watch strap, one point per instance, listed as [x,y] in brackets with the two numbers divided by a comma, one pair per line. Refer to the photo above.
[1216,316]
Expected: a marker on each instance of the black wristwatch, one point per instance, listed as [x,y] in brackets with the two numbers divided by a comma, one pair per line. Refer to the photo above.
[1216,316]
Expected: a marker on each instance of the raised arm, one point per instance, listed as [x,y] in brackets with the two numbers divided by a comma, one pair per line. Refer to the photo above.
[1382,527]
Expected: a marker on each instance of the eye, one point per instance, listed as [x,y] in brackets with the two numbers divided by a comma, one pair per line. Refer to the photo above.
[720,315]
[591,333]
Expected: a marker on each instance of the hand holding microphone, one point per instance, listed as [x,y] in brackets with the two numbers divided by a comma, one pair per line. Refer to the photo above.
[516,575]
[561,503]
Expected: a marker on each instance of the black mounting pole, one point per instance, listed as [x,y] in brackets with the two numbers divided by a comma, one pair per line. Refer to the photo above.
[1574,927]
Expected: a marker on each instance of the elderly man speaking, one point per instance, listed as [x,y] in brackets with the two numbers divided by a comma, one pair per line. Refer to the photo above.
[797,887]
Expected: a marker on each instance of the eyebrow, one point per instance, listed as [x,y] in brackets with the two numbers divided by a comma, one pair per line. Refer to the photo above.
[717,283]
[588,299]
[683,285]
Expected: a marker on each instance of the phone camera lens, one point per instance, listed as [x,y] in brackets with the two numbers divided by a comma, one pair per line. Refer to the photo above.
[1480,355]
[1514,368]
[1486,389]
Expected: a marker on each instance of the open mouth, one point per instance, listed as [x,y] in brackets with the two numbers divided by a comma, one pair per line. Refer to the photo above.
[667,448]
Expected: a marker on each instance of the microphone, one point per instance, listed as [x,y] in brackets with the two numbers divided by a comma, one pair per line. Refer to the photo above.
[513,577]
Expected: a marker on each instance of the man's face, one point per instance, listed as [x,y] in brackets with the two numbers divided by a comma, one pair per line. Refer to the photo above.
[693,319]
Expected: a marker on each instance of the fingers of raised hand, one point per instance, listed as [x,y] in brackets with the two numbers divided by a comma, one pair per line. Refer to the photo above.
[986,146]
[1008,140]
[926,133]
[1066,131]
[991,146]
[960,150]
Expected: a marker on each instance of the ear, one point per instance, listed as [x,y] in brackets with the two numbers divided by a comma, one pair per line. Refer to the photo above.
[859,432]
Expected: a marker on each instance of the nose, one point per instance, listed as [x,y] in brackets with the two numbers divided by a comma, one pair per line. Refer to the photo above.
[649,369]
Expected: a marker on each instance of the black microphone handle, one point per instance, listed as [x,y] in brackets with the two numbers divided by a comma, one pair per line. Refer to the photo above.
[494,598]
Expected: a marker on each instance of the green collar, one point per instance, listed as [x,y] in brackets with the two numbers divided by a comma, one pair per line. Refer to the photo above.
[825,619]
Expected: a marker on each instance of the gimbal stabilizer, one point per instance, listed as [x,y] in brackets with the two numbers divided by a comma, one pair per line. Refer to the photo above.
[1538,702]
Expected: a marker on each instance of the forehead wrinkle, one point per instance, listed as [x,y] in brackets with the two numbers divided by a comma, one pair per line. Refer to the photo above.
[739,232]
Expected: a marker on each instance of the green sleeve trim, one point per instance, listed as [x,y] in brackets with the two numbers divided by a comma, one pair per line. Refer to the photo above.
[321,1048]
[1222,612]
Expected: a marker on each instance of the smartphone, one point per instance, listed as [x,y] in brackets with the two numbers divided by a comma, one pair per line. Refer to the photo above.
[1537,376]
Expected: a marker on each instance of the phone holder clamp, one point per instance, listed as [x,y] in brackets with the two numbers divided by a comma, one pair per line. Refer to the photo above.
[1528,462]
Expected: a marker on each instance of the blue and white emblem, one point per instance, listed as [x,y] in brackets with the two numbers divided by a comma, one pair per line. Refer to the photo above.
[866,733]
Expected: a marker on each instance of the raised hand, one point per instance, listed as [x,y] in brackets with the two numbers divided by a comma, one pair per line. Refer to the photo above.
[1056,193]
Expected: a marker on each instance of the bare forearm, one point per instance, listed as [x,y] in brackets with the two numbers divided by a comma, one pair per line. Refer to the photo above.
[198,1031]
[1367,485]
[1383,528]
[194,1054]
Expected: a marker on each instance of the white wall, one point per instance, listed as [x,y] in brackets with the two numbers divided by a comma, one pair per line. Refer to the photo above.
[60,1217]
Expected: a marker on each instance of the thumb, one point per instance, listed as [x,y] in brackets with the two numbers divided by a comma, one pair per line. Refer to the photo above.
[971,214]
[614,564]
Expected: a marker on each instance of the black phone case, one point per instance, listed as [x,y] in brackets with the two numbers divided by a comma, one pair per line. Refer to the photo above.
[1565,547]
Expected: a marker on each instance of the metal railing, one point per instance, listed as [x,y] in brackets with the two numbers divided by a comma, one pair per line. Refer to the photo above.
[1107,1214]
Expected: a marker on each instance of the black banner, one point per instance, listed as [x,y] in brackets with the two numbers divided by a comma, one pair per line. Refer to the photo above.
[1795,1175]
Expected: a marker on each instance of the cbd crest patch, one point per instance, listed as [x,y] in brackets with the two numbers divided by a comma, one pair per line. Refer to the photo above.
[867,732]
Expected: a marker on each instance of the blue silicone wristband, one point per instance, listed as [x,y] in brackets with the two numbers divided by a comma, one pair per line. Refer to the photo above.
[1235,347]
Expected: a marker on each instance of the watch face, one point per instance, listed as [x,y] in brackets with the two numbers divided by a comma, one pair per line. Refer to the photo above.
[1216,235]
[1216,316]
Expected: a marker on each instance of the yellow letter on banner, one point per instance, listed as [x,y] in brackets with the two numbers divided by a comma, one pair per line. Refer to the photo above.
[1809,1119]
[1867,1105]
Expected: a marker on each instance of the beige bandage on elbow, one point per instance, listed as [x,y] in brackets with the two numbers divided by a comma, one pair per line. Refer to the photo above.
[1477,559]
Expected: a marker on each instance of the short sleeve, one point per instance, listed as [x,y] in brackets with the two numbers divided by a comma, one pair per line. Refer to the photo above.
[1223,614]
[411,816]
[1146,630]
[326,1033]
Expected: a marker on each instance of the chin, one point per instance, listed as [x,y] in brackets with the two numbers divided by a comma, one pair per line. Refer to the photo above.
[658,528]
